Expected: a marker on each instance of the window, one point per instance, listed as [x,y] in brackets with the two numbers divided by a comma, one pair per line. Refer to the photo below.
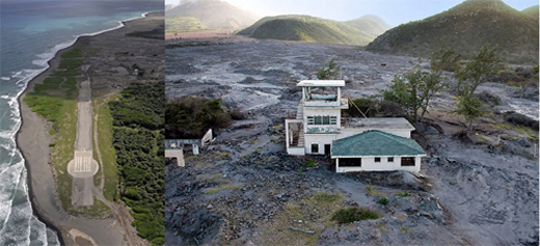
[322,120]
[314,148]
[350,162]
[407,161]
[318,120]
[310,120]
[377,159]
[390,159]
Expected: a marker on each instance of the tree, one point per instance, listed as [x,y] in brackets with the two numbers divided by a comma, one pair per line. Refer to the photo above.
[469,106]
[404,90]
[445,59]
[414,90]
[477,71]
[329,72]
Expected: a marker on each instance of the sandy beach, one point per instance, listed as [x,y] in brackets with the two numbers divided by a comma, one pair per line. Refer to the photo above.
[33,140]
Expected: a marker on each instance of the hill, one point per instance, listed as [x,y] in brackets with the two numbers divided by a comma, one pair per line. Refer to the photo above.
[371,24]
[531,12]
[466,28]
[207,14]
[317,30]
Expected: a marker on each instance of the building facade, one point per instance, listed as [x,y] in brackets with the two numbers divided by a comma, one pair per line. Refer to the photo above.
[319,129]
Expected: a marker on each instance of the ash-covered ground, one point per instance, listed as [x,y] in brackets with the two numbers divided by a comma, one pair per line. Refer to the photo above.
[478,189]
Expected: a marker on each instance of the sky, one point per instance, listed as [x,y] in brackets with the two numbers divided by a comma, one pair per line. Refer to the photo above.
[394,12]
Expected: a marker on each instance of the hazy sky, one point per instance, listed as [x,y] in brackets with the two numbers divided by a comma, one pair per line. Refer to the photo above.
[394,12]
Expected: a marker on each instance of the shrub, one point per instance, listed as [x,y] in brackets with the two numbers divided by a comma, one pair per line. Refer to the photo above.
[309,163]
[349,215]
[382,201]
[402,194]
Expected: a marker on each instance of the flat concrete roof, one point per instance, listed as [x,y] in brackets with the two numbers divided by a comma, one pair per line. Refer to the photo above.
[378,122]
[327,83]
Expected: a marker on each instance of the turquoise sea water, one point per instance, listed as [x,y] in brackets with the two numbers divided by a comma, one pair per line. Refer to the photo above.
[31,32]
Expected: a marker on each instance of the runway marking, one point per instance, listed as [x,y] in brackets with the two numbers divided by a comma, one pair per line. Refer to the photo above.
[83,164]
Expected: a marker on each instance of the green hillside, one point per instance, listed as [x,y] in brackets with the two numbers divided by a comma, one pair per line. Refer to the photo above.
[466,28]
[531,12]
[308,29]
[178,24]
[370,24]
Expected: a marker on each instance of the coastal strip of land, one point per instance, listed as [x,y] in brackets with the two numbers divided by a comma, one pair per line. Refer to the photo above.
[34,141]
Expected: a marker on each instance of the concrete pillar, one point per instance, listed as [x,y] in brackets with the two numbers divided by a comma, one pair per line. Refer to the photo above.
[195,149]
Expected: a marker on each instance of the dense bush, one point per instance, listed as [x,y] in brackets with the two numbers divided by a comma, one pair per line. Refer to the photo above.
[138,140]
[141,105]
[190,117]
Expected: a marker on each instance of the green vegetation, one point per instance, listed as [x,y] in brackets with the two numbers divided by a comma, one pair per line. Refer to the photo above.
[466,28]
[371,192]
[190,117]
[478,70]
[414,89]
[56,101]
[475,72]
[97,210]
[142,106]
[383,201]
[350,215]
[313,213]
[140,156]
[309,163]
[402,194]
[308,29]
[330,72]
[104,125]
[178,24]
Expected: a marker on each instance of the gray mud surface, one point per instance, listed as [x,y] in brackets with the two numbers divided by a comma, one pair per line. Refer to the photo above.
[242,186]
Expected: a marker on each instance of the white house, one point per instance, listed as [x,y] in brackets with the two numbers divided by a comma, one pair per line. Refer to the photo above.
[357,144]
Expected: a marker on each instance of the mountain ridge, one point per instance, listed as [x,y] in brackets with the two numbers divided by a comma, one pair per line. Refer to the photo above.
[465,28]
[213,13]
[307,28]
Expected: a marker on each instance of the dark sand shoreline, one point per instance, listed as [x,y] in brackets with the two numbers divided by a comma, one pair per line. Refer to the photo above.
[33,141]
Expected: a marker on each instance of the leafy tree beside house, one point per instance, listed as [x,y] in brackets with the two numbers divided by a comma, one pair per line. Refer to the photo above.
[415,89]
[474,73]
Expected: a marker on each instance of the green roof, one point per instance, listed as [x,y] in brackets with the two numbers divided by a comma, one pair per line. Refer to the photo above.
[375,143]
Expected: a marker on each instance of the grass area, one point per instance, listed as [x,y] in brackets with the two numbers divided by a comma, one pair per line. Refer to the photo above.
[402,194]
[108,154]
[220,182]
[179,24]
[311,214]
[350,215]
[97,210]
[309,163]
[63,151]
[370,191]
[56,101]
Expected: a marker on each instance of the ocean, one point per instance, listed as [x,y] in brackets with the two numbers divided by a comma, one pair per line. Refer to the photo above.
[31,32]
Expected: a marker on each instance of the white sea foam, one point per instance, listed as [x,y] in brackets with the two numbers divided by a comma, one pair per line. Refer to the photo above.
[5,78]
